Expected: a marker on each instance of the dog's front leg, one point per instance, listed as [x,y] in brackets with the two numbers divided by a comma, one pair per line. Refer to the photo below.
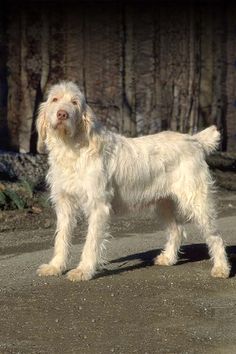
[66,222]
[92,252]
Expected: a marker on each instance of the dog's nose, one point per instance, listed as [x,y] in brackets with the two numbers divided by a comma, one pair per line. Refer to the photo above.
[62,115]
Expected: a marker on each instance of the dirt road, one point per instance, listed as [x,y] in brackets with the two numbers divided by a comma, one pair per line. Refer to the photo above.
[131,307]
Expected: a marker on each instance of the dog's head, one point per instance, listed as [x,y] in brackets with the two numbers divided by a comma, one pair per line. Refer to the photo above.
[65,114]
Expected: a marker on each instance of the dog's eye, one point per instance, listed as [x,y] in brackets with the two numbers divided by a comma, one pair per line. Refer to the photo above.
[55,99]
[74,102]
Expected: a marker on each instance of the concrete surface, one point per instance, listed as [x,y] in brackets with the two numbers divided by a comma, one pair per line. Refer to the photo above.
[131,307]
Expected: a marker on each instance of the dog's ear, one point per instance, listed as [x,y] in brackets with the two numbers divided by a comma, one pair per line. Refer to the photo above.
[92,129]
[88,119]
[41,129]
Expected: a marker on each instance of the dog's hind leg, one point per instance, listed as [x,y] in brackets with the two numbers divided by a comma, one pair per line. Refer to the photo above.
[204,216]
[169,255]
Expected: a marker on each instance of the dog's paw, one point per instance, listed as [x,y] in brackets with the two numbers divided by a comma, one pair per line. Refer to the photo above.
[46,270]
[162,259]
[220,272]
[78,274]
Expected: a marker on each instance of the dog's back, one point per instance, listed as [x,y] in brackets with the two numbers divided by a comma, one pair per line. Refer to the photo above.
[148,168]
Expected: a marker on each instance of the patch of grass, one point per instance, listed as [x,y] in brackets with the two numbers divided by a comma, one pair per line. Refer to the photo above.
[10,198]
[2,198]
[28,187]
[21,195]
[43,201]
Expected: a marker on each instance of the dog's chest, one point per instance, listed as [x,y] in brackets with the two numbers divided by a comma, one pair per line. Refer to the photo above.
[68,175]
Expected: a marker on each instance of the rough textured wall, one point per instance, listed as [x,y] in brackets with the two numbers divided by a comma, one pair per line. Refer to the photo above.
[4,139]
[143,67]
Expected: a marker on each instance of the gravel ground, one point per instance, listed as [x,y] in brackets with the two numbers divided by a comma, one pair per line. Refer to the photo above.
[131,306]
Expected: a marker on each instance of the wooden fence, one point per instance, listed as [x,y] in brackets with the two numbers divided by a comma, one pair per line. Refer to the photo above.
[144,67]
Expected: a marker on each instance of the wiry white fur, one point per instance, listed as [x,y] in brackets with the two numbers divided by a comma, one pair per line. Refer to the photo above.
[94,171]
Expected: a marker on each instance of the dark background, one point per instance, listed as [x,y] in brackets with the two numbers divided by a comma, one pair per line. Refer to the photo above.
[143,66]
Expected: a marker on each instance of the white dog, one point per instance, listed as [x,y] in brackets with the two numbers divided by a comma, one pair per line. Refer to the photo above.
[94,171]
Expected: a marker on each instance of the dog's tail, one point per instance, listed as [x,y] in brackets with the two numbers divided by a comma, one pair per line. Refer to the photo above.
[209,139]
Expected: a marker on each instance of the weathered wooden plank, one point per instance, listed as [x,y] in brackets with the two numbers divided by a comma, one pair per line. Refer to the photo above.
[207,65]
[102,63]
[14,76]
[143,22]
[112,67]
[45,52]
[156,118]
[3,79]
[181,64]
[230,80]
[176,68]
[172,67]
[74,45]
[30,74]
[194,72]
[128,73]
[166,68]
[57,35]
[93,57]
[219,59]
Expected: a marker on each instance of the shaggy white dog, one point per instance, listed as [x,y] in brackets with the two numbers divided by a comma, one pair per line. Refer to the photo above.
[95,171]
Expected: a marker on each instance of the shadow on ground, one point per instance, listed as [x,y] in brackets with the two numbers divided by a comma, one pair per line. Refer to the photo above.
[189,253]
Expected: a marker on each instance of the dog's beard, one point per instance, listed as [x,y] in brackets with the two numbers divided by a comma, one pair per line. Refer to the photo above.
[65,130]
[62,130]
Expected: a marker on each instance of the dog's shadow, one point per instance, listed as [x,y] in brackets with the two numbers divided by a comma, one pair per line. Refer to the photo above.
[189,253]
